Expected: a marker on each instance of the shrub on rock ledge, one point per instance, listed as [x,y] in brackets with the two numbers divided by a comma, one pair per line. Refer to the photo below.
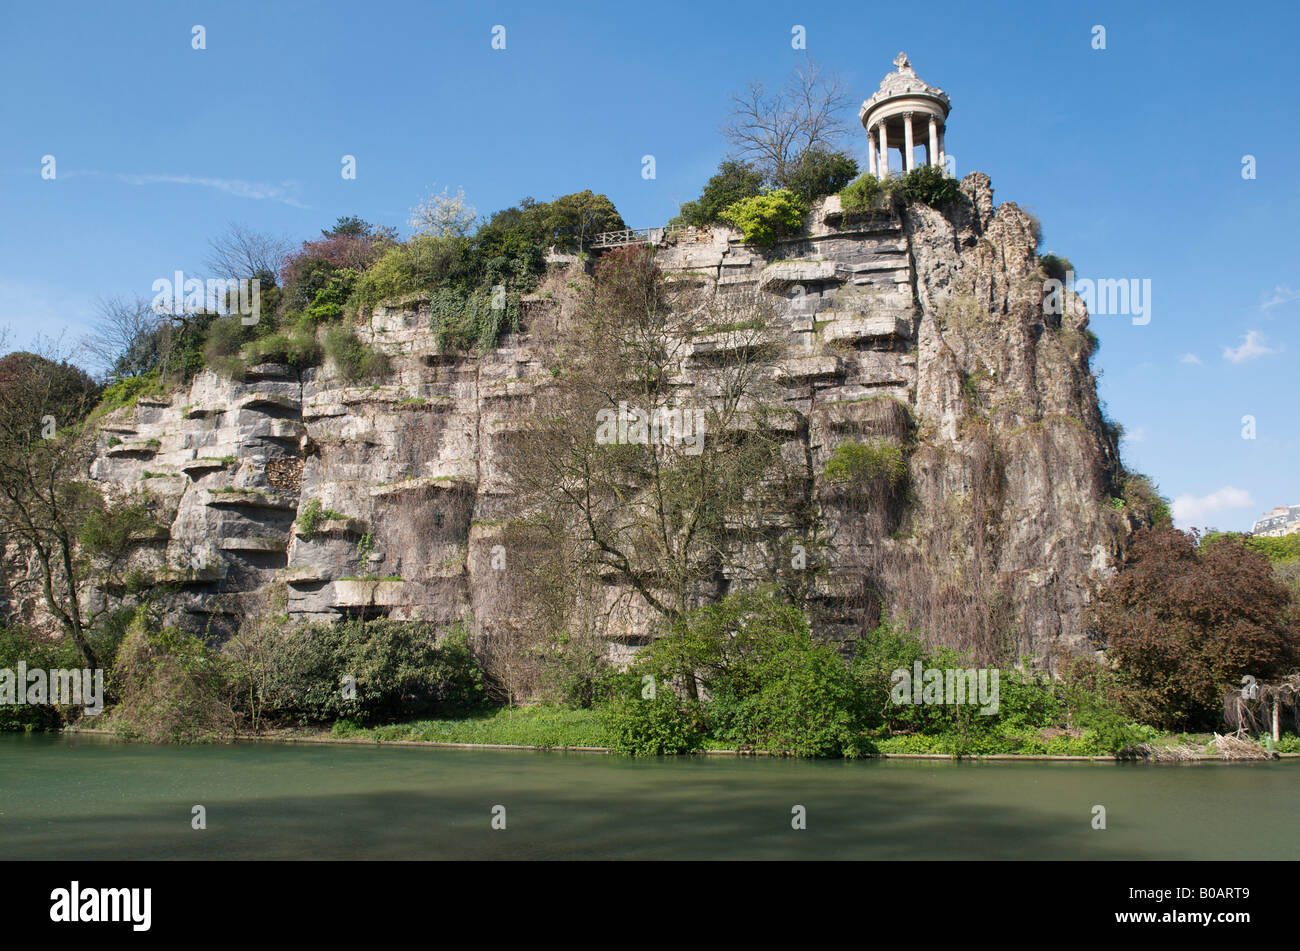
[766,218]
[854,462]
[355,360]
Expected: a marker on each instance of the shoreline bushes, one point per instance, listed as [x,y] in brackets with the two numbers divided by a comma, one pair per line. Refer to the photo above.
[746,673]
[361,671]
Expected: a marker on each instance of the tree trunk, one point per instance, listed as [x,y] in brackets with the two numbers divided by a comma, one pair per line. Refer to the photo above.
[75,626]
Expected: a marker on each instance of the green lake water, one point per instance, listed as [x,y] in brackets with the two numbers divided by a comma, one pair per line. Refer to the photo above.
[94,798]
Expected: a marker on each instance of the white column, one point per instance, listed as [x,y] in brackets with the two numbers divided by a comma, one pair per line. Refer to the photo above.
[933,154]
[882,160]
[942,154]
[871,153]
[909,149]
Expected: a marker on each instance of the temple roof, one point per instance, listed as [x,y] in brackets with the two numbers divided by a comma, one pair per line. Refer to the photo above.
[904,82]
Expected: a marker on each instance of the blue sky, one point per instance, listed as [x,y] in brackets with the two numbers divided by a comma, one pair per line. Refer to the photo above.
[1131,156]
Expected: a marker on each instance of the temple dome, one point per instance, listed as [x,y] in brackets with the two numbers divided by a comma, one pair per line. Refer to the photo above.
[903,82]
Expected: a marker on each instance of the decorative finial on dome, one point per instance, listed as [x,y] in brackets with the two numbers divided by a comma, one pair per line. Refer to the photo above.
[902,62]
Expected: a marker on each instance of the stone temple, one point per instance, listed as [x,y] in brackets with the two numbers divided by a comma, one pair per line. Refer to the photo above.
[904,111]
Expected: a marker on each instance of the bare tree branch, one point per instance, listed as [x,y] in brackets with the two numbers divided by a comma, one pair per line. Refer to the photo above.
[121,325]
[239,252]
[775,128]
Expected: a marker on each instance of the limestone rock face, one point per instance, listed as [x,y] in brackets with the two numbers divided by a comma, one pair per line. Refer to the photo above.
[916,328]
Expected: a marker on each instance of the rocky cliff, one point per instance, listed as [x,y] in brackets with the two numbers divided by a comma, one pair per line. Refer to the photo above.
[326,499]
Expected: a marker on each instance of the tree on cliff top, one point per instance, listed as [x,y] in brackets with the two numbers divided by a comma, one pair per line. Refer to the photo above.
[734,181]
[566,223]
[776,129]
[240,252]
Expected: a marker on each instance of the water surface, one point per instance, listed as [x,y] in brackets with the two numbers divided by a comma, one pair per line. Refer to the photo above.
[68,797]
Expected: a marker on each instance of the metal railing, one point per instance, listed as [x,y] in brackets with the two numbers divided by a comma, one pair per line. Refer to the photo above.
[614,239]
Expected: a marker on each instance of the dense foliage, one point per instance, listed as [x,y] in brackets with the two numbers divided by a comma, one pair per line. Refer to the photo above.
[1141,497]
[473,274]
[745,673]
[861,195]
[768,684]
[170,686]
[1183,621]
[1056,267]
[18,646]
[855,462]
[820,172]
[733,182]
[365,671]
[926,184]
[766,218]
[41,387]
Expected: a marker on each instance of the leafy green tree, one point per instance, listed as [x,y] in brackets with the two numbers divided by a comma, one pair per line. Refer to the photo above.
[861,194]
[1144,500]
[769,684]
[819,173]
[48,509]
[171,687]
[1055,266]
[350,226]
[18,645]
[400,669]
[733,182]
[663,724]
[571,220]
[929,185]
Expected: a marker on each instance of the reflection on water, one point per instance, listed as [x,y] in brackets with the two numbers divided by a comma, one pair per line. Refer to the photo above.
[92,798]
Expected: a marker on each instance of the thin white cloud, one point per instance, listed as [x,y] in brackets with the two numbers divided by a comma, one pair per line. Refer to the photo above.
[1190,358]
[232,186]
[1191,510]
[1137,434]
[1253,345]
[1281,294]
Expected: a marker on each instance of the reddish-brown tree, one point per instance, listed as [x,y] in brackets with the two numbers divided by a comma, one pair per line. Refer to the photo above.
[1183,620]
